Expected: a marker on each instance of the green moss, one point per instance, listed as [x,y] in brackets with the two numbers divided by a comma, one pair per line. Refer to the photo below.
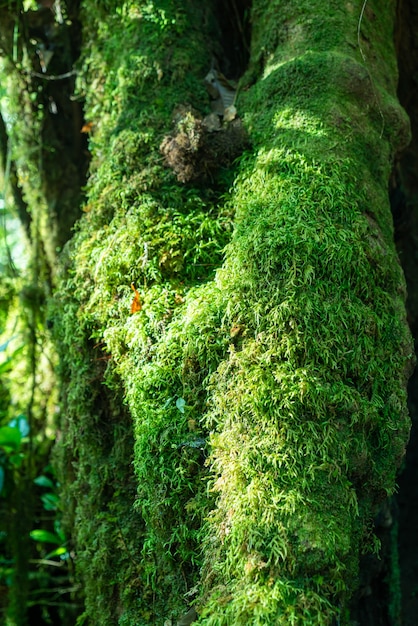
[139,227]
[265,371]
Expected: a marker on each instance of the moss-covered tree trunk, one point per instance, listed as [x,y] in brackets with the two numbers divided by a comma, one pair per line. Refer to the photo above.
[230,317]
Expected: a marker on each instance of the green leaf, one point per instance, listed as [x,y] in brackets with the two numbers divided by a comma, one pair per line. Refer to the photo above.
[44,536]
[5,366]
[180,404]
[22,424]
[57,552]
[10,437]
[50,501]
[44,481]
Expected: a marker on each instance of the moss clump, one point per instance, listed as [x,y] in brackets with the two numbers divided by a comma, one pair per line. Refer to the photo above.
[196,149]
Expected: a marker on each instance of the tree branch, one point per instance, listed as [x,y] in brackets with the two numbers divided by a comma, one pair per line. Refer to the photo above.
[12,178]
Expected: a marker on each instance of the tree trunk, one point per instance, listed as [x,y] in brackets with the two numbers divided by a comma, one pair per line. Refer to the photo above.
[231,318]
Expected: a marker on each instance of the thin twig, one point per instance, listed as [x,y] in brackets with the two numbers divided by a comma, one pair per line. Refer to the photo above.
[54,76]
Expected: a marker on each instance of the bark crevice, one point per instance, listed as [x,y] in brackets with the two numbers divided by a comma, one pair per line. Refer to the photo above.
[232,49]
[404,202]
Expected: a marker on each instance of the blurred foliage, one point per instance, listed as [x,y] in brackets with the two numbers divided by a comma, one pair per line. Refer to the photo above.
[35,559]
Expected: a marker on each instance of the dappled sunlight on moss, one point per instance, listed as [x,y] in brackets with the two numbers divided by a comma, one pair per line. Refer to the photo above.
[287,119]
